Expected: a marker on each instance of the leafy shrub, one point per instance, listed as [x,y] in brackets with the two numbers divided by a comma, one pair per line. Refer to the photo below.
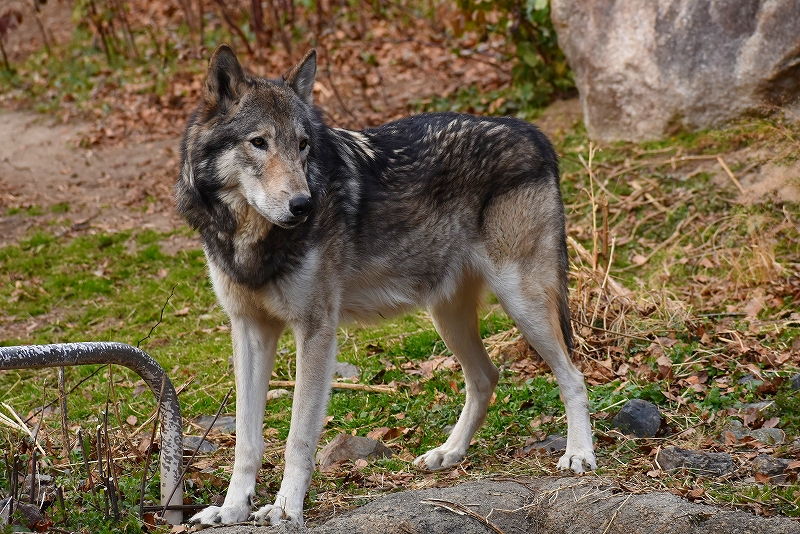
[541,73]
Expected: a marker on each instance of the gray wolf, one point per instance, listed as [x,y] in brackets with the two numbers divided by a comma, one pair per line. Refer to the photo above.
[305,225]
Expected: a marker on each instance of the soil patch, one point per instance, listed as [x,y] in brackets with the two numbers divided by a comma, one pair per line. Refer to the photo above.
[48,180]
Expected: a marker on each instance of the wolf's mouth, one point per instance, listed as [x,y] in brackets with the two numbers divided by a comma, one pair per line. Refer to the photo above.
[291,223]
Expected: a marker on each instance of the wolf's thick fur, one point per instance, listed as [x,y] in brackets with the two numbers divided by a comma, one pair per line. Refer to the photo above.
[305,226]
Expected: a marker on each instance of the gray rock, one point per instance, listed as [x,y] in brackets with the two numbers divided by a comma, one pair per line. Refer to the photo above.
[795,381]
[224,423]
[704,463]
[190,443]
[759,406]
[347,447]
[585,505]
[30,512]
[43,488]
[768,436]
[5,511]
[772,467]
[550,444]
[736,428]
[347,370]
[638,417]
[645,68]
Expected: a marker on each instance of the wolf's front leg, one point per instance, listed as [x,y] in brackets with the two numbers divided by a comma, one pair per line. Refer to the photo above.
[254,344]
[316,354]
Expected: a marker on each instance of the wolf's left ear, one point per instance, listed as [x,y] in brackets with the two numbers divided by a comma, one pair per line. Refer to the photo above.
[301,77]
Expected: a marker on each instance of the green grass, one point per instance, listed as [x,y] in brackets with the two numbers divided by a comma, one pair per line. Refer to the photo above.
[114,286]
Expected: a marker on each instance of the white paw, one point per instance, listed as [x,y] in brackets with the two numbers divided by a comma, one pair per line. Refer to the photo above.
[215,515]
[439,458]
[275,515]
[578,462]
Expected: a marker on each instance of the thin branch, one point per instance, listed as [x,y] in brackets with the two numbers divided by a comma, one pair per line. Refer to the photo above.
[340,385]
[462,510]
[161,318]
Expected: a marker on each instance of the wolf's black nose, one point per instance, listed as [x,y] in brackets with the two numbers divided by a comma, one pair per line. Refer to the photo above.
[300,205]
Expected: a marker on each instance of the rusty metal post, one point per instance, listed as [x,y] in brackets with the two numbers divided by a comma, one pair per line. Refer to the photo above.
[71,354]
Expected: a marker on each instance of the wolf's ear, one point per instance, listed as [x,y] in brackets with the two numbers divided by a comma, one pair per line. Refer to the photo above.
[224,79]
[301,77]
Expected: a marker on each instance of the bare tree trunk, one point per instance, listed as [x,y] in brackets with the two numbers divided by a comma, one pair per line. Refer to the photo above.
[126,27]
[287,43]
[201,38]
[5,57]
[257,13]
[46,41]
[233,26]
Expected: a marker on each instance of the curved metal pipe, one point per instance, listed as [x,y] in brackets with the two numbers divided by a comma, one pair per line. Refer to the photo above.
[71,354]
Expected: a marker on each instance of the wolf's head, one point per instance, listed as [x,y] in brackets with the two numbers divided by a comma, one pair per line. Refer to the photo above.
[249,143]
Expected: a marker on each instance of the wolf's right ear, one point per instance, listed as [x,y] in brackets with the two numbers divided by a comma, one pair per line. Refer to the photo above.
[224,79]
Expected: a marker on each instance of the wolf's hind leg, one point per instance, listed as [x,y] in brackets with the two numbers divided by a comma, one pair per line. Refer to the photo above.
[533,298]
[457,323]
[254,344]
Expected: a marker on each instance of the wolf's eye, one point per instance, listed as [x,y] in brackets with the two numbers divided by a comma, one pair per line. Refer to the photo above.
[258,142]
[303,144]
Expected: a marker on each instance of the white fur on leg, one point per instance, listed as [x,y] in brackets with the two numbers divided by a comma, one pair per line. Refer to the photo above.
[537,319]
[316,354]
[457,322]
[255,339]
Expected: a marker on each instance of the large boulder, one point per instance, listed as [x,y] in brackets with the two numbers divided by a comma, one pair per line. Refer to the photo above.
[646,68]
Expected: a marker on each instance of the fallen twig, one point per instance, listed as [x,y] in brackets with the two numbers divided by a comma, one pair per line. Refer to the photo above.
[615,513]
[730,174]
[462,510]
[340,385]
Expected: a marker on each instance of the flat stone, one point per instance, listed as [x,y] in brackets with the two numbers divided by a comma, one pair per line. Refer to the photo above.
[190,443]
[768,436]
[772,467]
[550,444]
[704,463]
[795,381]
[346,447]
[759,406]
[224,423]
[736,428]
[347,370]
[647,68]
[638,417]
[577,505]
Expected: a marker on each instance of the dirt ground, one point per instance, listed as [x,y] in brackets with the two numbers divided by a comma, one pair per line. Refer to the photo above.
[44,170]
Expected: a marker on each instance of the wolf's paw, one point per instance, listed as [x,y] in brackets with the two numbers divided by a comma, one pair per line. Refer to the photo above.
[275,515]
[578,462]
[215,515]
[439,458]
